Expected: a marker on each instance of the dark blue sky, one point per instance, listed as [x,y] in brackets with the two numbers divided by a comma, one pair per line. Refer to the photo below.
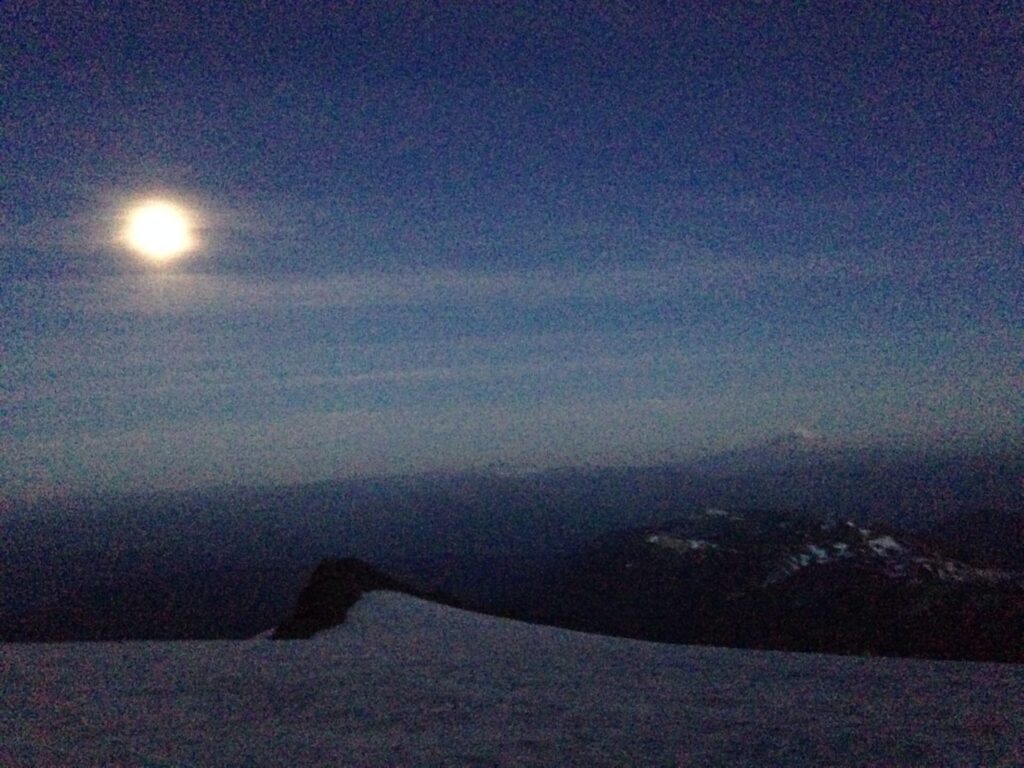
[437,236]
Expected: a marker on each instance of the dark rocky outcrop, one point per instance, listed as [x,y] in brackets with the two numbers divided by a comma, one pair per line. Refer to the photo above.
[335,586]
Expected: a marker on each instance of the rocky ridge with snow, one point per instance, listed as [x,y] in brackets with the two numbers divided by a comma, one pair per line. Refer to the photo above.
[333,588]
[785,581]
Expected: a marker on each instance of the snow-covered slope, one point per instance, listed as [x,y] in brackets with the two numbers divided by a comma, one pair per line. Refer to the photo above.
[409,682]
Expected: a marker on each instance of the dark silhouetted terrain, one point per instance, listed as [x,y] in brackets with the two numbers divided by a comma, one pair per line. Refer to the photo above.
[229,562]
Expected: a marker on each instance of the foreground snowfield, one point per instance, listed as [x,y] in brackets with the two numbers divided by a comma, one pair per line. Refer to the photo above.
[410,682]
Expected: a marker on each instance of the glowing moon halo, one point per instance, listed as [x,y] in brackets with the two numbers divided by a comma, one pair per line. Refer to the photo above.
[159,230]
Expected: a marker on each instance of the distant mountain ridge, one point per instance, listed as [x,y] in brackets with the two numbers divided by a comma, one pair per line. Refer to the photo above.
[784,581]
[784,452]
[229,563]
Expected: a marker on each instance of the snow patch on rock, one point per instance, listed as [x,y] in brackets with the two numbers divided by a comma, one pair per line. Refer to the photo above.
[680,545]
[886,546]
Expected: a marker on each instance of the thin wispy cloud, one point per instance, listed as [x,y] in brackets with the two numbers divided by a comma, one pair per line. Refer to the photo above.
[201,294]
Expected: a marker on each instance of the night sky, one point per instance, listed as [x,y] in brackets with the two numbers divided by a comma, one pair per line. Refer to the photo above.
[446,236]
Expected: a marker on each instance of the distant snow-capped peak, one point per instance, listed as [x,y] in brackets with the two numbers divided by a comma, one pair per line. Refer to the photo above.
[794,447]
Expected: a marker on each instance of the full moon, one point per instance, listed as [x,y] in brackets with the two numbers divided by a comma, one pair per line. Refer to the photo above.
[159,230]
